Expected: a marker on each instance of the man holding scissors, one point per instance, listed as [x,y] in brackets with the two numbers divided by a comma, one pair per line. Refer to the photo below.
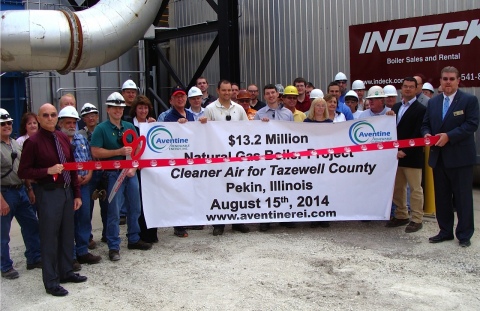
[108,144]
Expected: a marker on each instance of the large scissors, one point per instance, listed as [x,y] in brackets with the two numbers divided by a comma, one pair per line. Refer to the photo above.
[138,145]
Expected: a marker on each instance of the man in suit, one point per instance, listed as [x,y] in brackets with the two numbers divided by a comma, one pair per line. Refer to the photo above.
[453,116]
[409,114]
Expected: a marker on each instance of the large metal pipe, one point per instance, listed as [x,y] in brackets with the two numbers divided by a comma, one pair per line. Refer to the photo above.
[38,40]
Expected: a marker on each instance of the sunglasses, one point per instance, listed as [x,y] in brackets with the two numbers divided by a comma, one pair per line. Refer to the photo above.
[290,97]
[88,109]
[116,101]
[52,115]
[5,116]
[447,78]
[6,123]
[243,100]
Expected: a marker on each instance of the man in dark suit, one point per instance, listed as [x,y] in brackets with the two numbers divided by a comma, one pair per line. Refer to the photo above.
[453,116]
[409,114]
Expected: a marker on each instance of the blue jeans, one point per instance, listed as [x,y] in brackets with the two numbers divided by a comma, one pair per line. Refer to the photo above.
[95,184]
[23,211]
[83,224]
[129,195]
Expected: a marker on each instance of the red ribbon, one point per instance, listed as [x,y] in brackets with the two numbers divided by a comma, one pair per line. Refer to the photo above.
[145,163]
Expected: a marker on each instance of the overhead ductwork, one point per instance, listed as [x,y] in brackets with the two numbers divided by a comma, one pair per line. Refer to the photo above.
[41,40]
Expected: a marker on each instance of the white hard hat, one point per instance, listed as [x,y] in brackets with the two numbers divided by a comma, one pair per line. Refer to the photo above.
[358,85]
[129,85]
[340,76]
[428,86]
[316,93]
[194,91]
[68,112]
[376,92]
[280,89]
[4,116]
[390,90]
[116,99]
[351,94]
[88,108]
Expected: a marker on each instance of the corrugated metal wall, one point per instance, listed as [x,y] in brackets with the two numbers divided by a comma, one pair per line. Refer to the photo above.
[281,40]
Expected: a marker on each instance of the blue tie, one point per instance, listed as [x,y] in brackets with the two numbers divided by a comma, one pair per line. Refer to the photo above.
[446,104]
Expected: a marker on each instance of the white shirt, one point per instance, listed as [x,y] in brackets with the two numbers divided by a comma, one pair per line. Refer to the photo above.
[216,112]
[339,117]
[368,113]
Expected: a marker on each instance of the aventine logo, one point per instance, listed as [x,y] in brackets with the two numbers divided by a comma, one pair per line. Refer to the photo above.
[362,132]
[160,139]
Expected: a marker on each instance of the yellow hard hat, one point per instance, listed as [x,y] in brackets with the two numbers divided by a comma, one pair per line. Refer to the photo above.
[290,90]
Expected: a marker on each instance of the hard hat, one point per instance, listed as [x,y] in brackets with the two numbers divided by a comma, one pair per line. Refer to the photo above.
[244,94]
[194,91]
[4,116]
[351,94]
[390,90]
[68,112]
[316,93]
[280,89]
[116,99]
[129,85]
[376,92]
[340,76]
[428,86]
[290,90]
[88,108]
[358,85]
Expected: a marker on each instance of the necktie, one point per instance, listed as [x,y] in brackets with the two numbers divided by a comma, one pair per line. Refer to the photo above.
[446,104]
[63,159]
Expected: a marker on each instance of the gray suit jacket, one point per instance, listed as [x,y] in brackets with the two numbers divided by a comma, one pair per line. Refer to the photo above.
[423,99]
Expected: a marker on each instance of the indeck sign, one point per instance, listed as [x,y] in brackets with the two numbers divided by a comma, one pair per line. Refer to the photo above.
[385,52]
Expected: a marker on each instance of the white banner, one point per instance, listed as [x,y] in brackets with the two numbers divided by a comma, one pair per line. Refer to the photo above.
[348,186]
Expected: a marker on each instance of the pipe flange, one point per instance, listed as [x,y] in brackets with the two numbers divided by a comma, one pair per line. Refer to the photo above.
[76,41]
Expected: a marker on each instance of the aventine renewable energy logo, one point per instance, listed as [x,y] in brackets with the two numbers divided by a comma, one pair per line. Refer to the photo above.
[362,132]
[160,139]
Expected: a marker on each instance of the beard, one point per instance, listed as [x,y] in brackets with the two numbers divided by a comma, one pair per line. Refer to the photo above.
[68,132]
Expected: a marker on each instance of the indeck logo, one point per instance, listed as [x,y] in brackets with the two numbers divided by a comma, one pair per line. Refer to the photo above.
[428,36]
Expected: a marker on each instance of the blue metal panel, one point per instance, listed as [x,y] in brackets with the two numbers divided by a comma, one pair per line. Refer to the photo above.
[13,97]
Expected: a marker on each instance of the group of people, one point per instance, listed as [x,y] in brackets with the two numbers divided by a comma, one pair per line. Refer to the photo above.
[34,181]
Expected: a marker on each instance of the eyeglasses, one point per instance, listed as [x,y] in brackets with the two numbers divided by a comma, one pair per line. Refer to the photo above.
[6,123]
[52,115]
[449,78]
[88,109]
